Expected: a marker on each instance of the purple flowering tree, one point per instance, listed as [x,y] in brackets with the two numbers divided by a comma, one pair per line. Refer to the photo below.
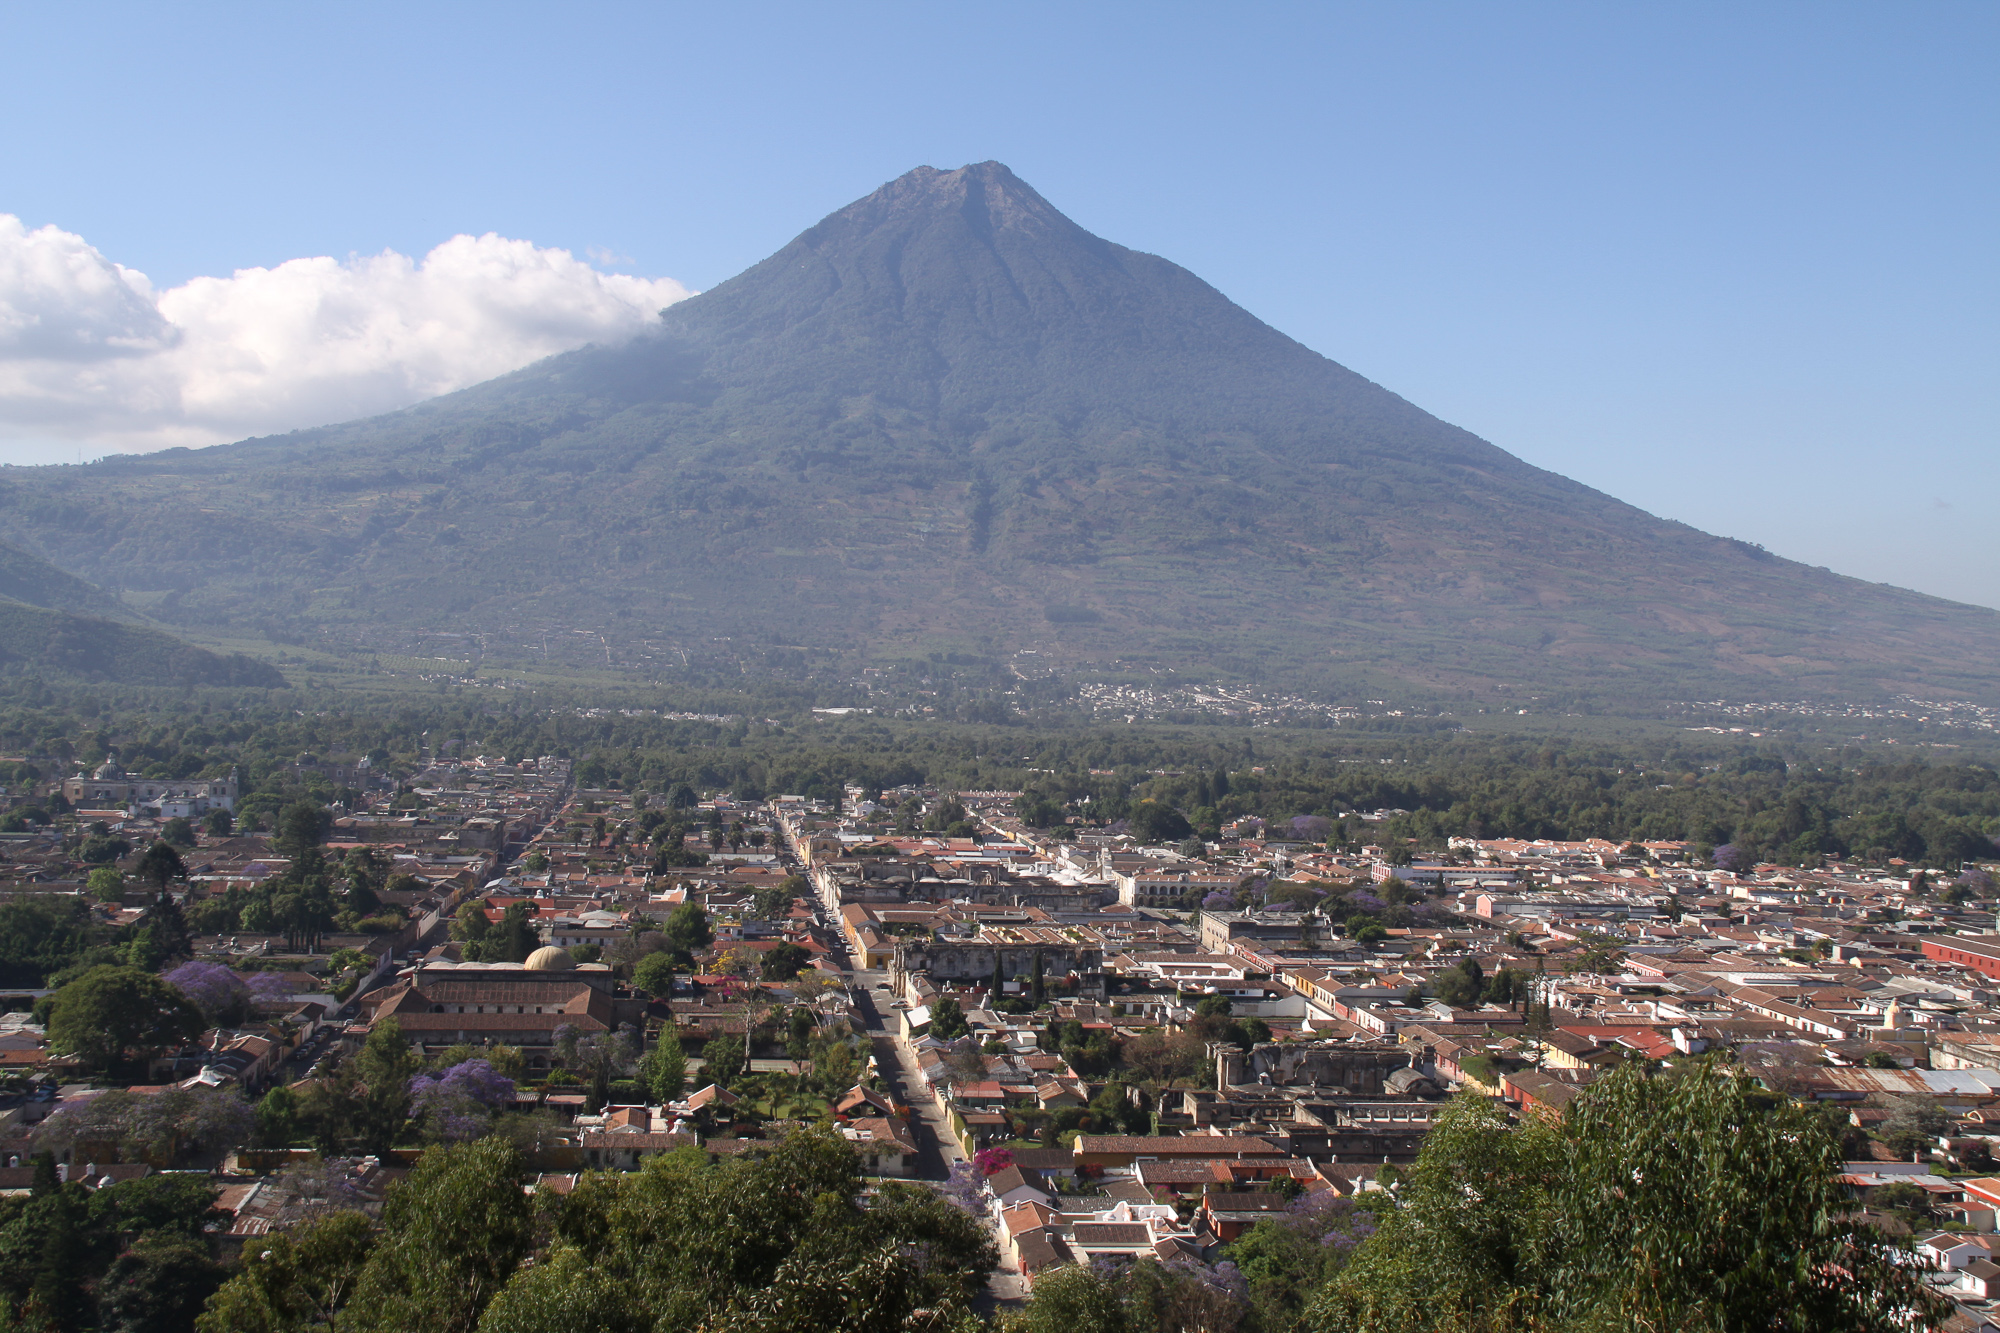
[270,987]
[1977,883]
[1217,902]
[459,1103]
[172,1127]
[564,1039]
[1311,828]
[1326,1219]
[965,1189]
[1223,1277]
[219,992]
[582,1052]
[1181,1293]
[1732,858]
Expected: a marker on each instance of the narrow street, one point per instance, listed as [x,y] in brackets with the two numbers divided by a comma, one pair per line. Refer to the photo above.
[937,1149]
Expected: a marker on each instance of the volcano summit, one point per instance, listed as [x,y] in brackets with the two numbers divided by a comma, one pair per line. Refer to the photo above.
[946,419]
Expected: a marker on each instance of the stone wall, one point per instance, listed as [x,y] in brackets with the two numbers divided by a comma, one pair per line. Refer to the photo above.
[1357,1068]
[971,962]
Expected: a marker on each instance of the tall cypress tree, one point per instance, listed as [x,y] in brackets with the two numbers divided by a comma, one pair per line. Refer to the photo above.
[517,934]
[600,1085]
[47,1179]
[666,1070]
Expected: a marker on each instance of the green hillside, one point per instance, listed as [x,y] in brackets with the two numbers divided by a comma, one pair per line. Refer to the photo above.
[946,420]
[28,578]
[42,641]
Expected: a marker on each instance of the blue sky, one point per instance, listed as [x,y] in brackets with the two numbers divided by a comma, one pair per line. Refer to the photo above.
[1734,264]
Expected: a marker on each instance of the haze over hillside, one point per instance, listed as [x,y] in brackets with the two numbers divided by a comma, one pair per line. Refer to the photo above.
[946,419]
[55,624]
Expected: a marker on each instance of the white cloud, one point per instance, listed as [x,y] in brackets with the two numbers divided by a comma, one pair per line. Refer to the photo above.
[60,300]
[92,357]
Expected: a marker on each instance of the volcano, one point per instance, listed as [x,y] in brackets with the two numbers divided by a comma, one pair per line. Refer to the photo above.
[948,422]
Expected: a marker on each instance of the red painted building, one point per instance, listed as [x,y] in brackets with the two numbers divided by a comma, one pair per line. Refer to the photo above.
[1981,955]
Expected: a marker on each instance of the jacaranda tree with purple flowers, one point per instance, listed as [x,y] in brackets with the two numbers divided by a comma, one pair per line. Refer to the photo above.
[270,987]
[965,1188]
[169,1128]
[459,1104]
[219,992]
[1732,858]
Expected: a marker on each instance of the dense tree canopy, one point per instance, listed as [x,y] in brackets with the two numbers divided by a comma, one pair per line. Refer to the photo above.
[453,1235]
[113,1014]
[1661,1201]
[130,1256]
[688,931]
[293,1281]
[654,974]
[777,1245]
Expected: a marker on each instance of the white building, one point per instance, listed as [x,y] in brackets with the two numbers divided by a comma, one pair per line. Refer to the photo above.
[169,797]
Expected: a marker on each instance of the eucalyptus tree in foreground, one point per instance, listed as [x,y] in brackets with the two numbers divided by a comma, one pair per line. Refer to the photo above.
[1689,1200]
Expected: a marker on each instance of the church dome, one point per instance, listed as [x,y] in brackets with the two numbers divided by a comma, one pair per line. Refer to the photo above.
[548,958]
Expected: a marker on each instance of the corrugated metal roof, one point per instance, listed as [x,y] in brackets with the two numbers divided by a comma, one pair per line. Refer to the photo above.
[1912,1082]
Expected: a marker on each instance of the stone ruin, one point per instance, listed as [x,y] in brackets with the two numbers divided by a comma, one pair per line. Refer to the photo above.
[1358,1069]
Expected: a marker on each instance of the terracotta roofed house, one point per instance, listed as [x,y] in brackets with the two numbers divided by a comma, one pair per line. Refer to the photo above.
[514,1006]
[1011,1185]
[1228,1214]
[1039,1249]
[885,1145]
[1125,1149]
[859,1099]
[1111,1239]
[626,1150]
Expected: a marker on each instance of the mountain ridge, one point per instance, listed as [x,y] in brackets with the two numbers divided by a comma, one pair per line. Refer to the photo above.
[947,420]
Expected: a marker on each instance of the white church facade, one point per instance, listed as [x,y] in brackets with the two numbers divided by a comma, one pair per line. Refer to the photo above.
[170,798]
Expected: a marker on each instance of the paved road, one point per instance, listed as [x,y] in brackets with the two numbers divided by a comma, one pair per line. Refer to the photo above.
[937,1149]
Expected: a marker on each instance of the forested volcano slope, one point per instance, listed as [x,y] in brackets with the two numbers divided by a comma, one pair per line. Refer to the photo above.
[947,418]
[54,623]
